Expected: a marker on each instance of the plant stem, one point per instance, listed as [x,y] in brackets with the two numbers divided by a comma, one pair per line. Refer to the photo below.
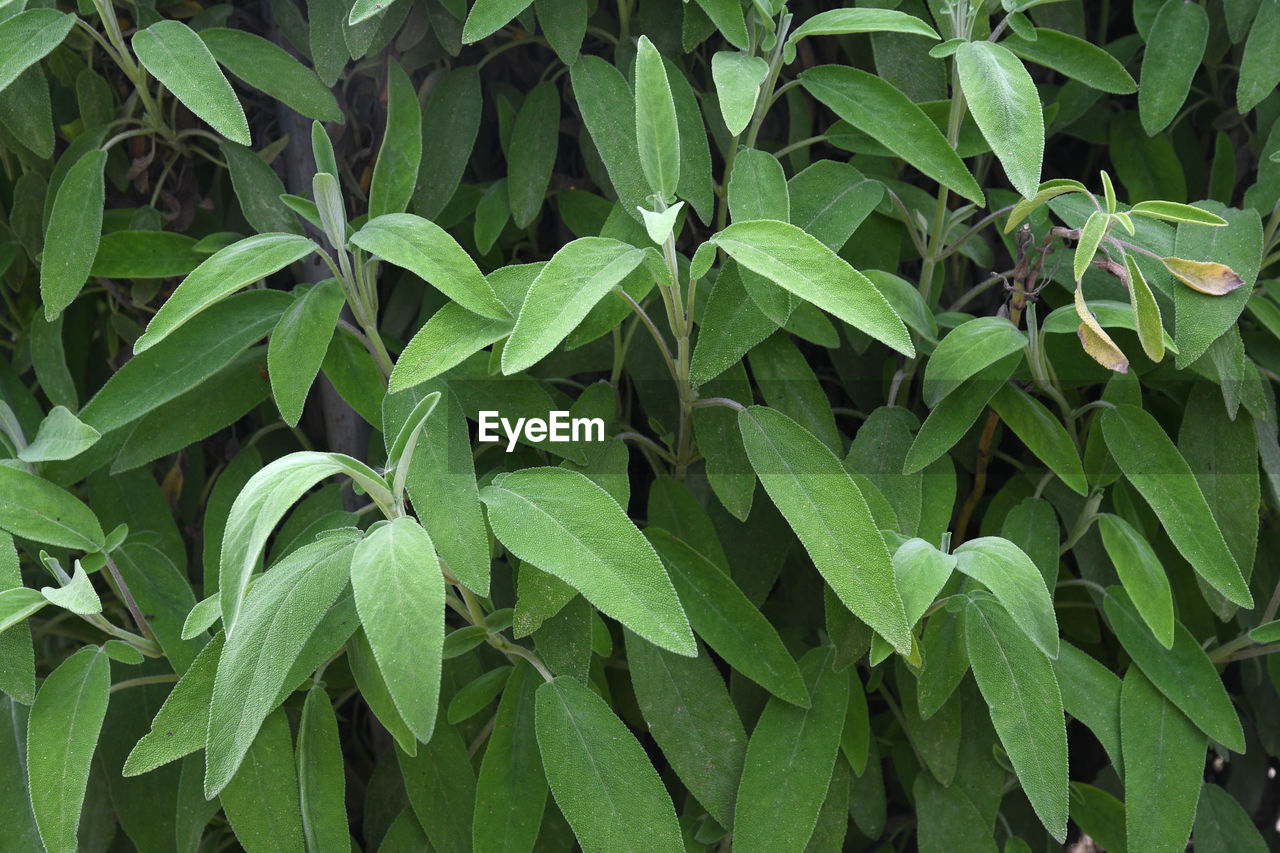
[144,680]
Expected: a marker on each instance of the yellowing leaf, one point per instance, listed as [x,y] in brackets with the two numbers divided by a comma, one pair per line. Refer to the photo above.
[1096,342]
[1204,276]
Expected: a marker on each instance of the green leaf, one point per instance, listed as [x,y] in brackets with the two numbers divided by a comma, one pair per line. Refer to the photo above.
[321,786]
[1141,574]
[568,526]
[729,20]
[181,724]
[1020,689]
[800,264]
[1172,211]
[789,761]
[1042,433]
[1095,228]
[576,278]
[1223,826]
[176,56]
[835,22]
[488,16]
[1164,767]
[955,413]
[280,613]
[270,69]
[696,184]
[1183,673]
[1003,568]
[1258,73]
[687,707]
[1201,318]
[1004,102]
[62,734]
[1076,58]
[451,121]
[657,134]
[949,820]
[1091,694]
[1146,311]
[875,107]
[1100,815]
[731,325]
[145,254]
[29,37]
[511,791]
[727,621]
[77,595]
[77,220]
[1175,46]
[426,250]
[609,111]
[532,154]
[396,171]
[600,776]
[400,597]
[32,508]
[447,339]
[17,603]
[298,345]
[184,360]
[966,350]
[225,272]
[61,436]
[821,502]
[1151,462]
[737,76]
[260,801]
[564,23]
[262,503]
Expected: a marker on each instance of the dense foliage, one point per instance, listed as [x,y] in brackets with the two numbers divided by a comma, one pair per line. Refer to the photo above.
[890,343]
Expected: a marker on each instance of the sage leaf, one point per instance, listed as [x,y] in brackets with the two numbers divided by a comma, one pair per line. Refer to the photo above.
[61,436]
[225,272]
[1074,57]
[423,248]
[576,278]
[657,133]
[877,108]
[821,502]
[1004,102]
[1042,433]
[1008,572]
[180,726]
[270,69]
[966,350]
[600,776]
[262,503]
[1141,574]
[77,222]
[321,786]
[1018,684]
[687,707]
[399,593]
[568,526]
[77,595]
[1183,673]
[720,613]
[1164,766]
[1223,826]
[298,345]
[737,76]
[789,761]
[1175,46]
[62,734]
[177,57]
[532,155]
[1151,462]
[33,508]
[396,171]
[609,111]
[280,613]
[263,822]
[800,264]
[511,790]
[28,37]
